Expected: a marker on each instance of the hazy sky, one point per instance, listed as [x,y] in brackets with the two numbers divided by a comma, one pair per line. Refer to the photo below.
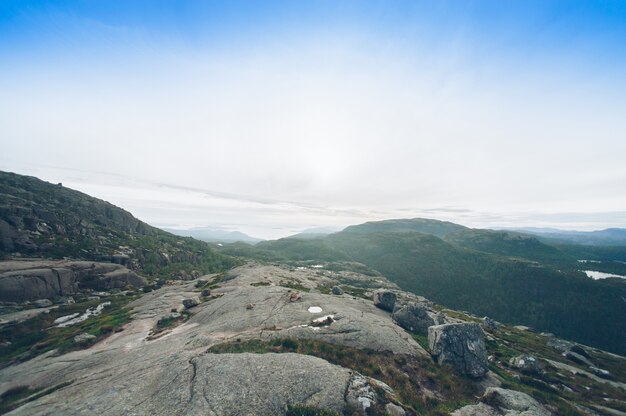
[270,117]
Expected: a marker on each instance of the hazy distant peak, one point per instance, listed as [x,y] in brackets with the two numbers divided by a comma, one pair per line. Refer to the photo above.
[419,225]
[214,234]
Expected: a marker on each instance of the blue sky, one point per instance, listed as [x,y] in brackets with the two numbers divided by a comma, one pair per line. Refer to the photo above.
[280,115]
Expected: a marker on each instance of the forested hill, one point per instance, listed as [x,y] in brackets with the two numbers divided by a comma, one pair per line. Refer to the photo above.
[38,218]
[508,276]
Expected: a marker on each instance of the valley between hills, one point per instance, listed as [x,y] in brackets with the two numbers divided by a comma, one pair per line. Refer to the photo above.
[101,313]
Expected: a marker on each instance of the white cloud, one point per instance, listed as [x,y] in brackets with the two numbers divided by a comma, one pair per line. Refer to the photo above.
[319,132]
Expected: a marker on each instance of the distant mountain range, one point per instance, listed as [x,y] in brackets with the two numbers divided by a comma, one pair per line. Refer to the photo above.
[216,235]
[607,237]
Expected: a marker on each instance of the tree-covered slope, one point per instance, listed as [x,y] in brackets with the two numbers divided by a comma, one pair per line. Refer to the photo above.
[38,218]
[415,225]
[515,280]
[509,244]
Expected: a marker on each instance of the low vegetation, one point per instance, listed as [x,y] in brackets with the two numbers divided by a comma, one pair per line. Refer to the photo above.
[27,339]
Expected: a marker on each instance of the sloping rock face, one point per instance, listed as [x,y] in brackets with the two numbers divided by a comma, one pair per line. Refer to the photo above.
[354,322]
[414,317]
[460,345]
[211,384]
[40,279]
[498,402]
[134,373]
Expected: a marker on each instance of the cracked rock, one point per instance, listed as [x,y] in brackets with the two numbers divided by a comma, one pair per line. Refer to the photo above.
[414,317]
[460,345]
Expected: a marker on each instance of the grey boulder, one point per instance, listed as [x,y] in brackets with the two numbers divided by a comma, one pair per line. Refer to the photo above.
[461,345]
[189,303]
[526,364]
[336,290]
[414,317]
[384,299]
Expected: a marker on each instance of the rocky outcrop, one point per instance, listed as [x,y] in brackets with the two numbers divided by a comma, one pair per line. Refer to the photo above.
[384,299]
[489,324]
[47,279]
[499,402]
[414,317]
[460,345]
[355,322]
[526,364]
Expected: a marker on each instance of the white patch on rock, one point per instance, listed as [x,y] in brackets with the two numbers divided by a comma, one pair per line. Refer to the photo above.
[66,318]
[88,313]
[315,309]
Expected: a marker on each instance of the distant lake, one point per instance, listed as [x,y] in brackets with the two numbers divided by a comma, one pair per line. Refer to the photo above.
[601,275]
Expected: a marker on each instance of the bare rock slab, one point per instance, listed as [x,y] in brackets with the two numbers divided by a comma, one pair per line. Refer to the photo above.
[212,384]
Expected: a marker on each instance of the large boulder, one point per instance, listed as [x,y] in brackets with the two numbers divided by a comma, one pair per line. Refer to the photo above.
[40,283]
[40,279]
[414,317]
[461,345]
[384,299]
[511,401]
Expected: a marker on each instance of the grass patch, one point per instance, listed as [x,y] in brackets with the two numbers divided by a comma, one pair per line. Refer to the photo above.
[357,292]
[422,340]
[293,284]
[257,284]
[324,290]
[38,334]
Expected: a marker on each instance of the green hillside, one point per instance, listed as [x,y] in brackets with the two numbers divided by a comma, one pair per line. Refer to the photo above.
[38,218]
[416,225]
[510,244]
[512,278]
